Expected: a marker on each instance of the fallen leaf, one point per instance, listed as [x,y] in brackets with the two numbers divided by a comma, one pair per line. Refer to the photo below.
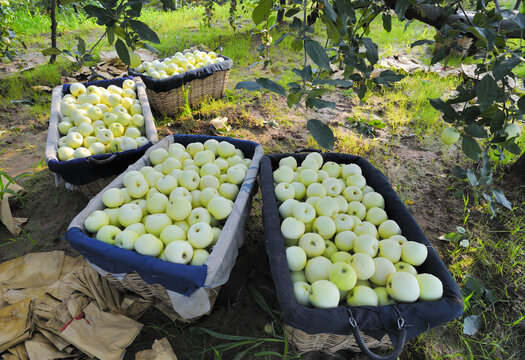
[42,88]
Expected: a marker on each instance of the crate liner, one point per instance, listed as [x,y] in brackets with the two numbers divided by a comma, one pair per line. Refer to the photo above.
[372,320]
[176,81]
[184,283]
[82,171]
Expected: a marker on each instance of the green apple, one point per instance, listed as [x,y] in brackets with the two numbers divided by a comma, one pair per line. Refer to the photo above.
[158,155]
[324,226]
[383,269]
[430,287]
[89,140]
[330,249]
[206,195]
[333,186]
[74,139]
[297,276]
[296,257]
[211,144]
[365,228]
[356,180]
[149,244]
[344,241]
[317,268]
[302,211]
[324,294]
[172,233]
[388,228]
[138,228]
[362,296]
[316,189]
[64,126]
[204,157]
[300,190]
[199,257]
[286,208]
[291,228]
[65,153]
[225,149]
[373,199]
[95,221]
[313,245]
[350,169]
[137,186]
[180,191]
[343,222]
[137,119]
[165,184]
[376,216]
[170,164]
[343,276]
[152,177]
[450,135]
[363,265]
[357,209]
[317,157]
[341,256]
[288,161]
[157,203]
[383,297]
[399,238]
[126,239]
[179,251]
[155,223]
[352,193]
[107,234]
[210,169]
[189,179]
[310,164]
[403,266]
[113,216]
[129,214]
[178,207]
[112,198]
[283,174]
[390,249]
[220,208]
[343,205]
[105,136]
[332,168]
[200,235]
[114,100]
[81,152]
[301,291]
[236,175]
[366,244]
[199,214]
[77,89]
[403,287]
[127,143]
[307,177]
[413,253]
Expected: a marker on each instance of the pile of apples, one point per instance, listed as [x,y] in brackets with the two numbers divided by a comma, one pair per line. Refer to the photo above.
[178,63]
[340,245]
[96,120]
[174,209]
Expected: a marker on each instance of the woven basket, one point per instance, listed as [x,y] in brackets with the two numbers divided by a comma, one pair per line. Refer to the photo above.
[331,343]
[157,294]
[196,91]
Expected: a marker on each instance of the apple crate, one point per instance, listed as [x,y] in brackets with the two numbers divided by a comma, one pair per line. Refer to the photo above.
[183,292]
[355,328]
[170,95]
[92,173]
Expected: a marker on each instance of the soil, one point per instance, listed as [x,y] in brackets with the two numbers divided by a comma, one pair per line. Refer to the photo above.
[415,171]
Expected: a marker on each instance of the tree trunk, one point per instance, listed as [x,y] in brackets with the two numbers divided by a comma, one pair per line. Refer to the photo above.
[53,29]
[518,168]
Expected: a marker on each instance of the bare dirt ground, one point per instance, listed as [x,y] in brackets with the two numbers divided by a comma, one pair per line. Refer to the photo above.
[418,174]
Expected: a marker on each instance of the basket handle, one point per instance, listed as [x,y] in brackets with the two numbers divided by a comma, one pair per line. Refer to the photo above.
[308,150]
[398,346]
[102,161]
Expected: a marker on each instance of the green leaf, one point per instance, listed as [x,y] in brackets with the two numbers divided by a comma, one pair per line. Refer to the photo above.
[513,148]
[471,148]
[497,121]
[503,68]
[371,50]
[334,82]
[321,133]
[319,103]
[103,16]
[486,91]
[387,22]
[487,35]
[442,106]
[476,131]
[111,34]
[168,5]
[248,85]
[388,76]
[500,198]
[329,10]
[81,45]
[401,8]
[281,38]
[293,98]
[305,74]
[331,29]
[422,42]
[521,104]
[122,51]
[271,86]
[317,53]
[262,11]
[144,31]
[362,91]
[471,176]
[51,51]
[440,55]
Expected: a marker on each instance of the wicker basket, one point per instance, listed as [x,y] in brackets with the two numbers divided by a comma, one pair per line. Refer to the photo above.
[169,96]
[182,292]
[93,173]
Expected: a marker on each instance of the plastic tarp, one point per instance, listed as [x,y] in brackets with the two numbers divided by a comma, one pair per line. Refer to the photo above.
[85,170]
[175,81]
[373,321]
[184,282]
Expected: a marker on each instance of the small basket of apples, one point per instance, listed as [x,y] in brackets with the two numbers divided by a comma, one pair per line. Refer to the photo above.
[170,226]
[96,130]
[186,78]
[349,258]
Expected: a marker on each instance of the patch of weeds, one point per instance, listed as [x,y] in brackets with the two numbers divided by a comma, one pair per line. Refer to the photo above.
[366,127]
[349,143]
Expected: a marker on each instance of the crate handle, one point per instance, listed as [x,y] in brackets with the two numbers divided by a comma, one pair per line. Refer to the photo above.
[308,150]
[398,347]
[102,161]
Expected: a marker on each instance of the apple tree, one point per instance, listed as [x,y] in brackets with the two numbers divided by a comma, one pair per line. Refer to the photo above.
[8,39]
[485,111]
